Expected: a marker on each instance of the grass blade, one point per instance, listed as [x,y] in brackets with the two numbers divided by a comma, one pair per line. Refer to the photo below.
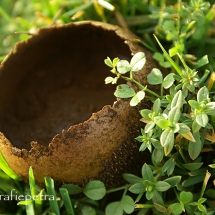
[29,204]
[32,182]
[76,9]
[49,182]
[39,202]
[5,167]
[30,209]
[67,202]
[5,15]
[176,67]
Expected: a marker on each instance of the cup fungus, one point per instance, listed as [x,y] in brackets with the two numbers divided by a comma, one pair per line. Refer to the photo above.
[56,113]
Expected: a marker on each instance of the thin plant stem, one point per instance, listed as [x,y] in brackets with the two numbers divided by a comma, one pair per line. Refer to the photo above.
[144,206]
[141,86]
[125,187]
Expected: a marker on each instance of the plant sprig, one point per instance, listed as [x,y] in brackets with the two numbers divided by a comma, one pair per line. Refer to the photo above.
[176,131]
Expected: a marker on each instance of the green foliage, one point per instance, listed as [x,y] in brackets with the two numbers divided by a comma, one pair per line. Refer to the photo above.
[49,182]
[4,166]
[124,91]
[67,202]
[126,204]
[95,190]
[178,124]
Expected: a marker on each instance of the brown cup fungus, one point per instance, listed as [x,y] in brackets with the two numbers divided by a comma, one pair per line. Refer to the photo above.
[56,113]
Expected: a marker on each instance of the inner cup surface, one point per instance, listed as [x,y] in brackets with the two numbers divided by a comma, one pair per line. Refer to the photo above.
[57,81]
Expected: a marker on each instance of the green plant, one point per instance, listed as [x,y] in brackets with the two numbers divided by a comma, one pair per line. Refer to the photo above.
[175,128]
[178,127]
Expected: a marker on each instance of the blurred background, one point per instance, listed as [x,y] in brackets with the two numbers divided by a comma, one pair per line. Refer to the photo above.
[20,18]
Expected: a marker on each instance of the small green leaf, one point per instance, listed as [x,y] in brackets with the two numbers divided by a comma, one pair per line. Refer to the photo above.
[174,114]
[210,105]
[195,126]
[108,62]
[193,180]
[194,104]
[138,61]
[177,99]
[109,80]
[149,126]
[127,203]
[202,94]
[157,155]
[168,25]
[192,166]
[147,173]
[165,64]
[173,181]
[167,137]
[158,56]
[202,119]
[155,77]
[202,62]
[173,51]
[201,207]
[186,197]
[175,208]
[169,166]
[168,148]
[157,118]
[114,208]
[138,188]
[212,166]
[168,81]
[194,148]
[95,190]
[137,98]
[157,198]
[85,210]
[123,66]
[72,189]
[124,91]
[157,105]
[115,61]
[132,178]
[183,128]
[145,113]
[162,186]
[163,123]
[188,136]
[160,208]
[149,195]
